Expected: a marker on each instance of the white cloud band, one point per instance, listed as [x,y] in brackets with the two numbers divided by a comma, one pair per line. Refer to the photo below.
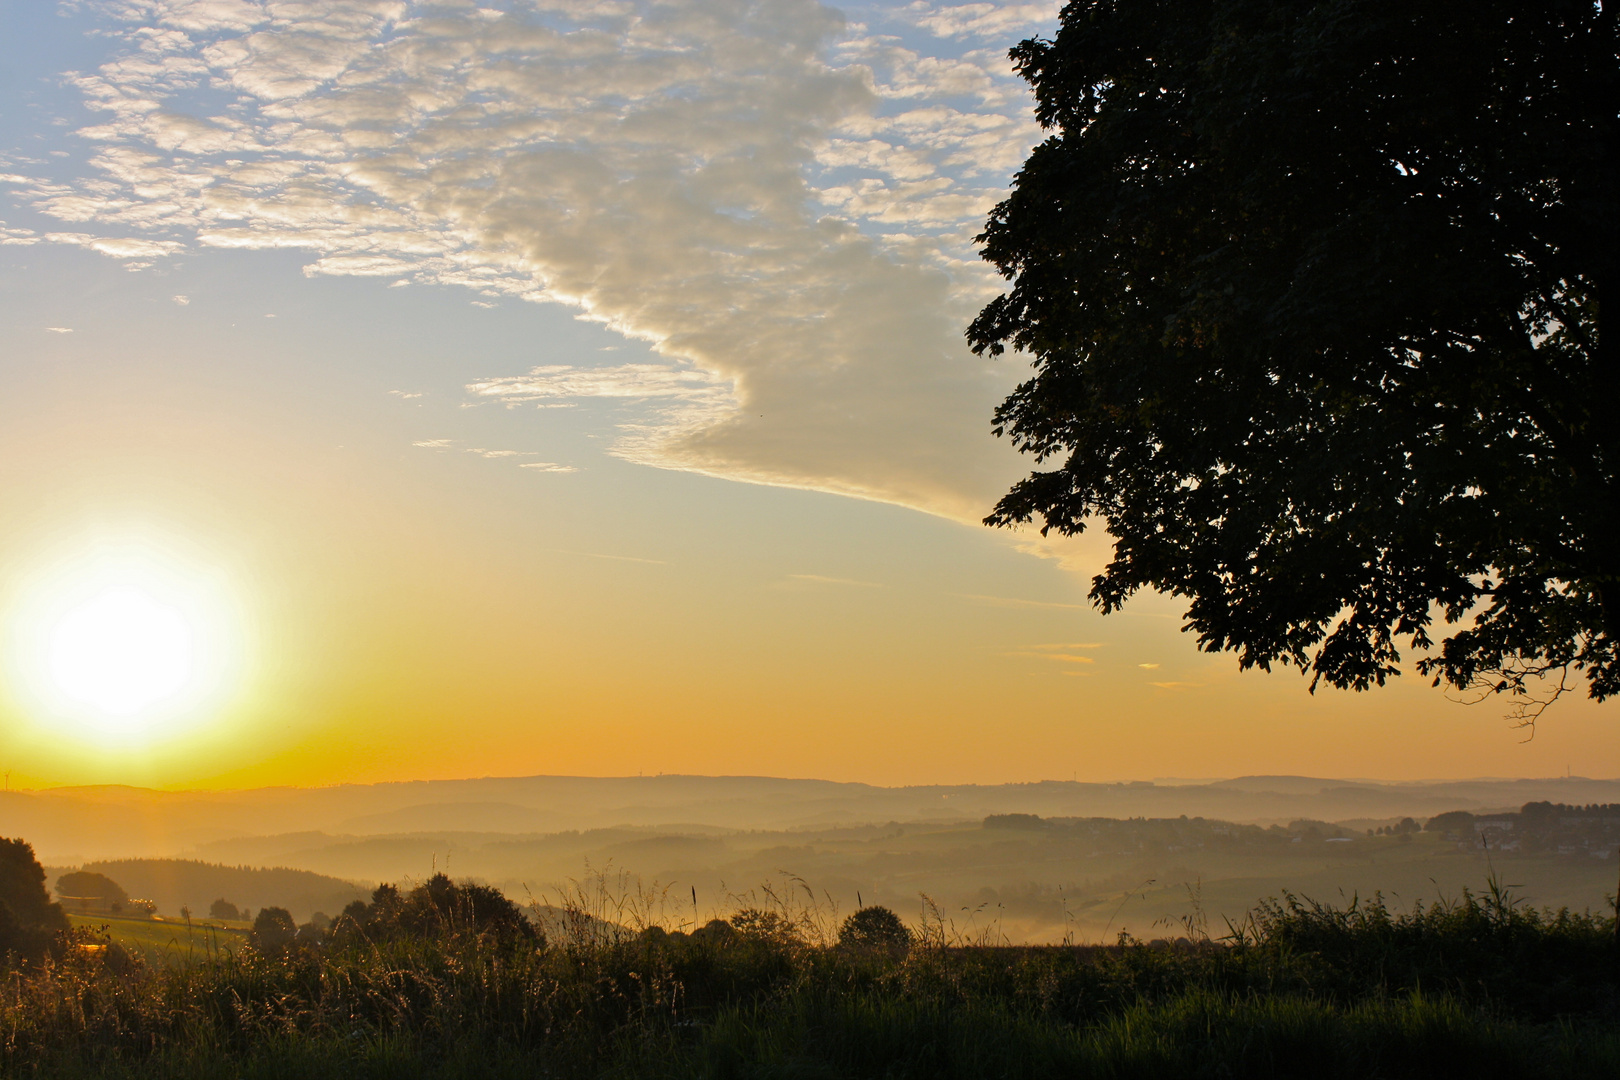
[778,202]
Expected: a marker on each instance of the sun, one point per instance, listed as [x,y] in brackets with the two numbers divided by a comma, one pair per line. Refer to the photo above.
[122,652]
[126,642]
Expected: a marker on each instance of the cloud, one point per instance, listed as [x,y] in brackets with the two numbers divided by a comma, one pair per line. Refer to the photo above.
[1008,22]
[487,452]
[819,579]
[1062,658]
[778,204]
[118,247]
[181,300]
[1061,653]
[1015,602]
[681,399]
[59,329]
[16,237]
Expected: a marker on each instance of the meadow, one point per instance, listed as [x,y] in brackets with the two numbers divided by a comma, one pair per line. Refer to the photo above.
[1480,985]
[165,942]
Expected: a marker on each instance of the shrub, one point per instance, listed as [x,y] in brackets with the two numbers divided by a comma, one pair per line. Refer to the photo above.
[273,929]
[439,907]
[88,883]
[874,927]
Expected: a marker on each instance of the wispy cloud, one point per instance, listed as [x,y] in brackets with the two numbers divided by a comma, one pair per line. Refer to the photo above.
[821,579]
[16,237]
[495,454]
[1062,658]
[1062,653]
[682,400]
[1015,602]
[118,247]
[780,205]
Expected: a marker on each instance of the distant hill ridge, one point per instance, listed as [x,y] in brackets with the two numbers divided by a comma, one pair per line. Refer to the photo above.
[85,824]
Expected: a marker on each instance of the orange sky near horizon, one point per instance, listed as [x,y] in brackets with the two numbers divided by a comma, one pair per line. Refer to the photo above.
[425,617]
[635,435]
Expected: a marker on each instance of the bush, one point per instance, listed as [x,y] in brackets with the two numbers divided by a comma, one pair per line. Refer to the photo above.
[88,883]
[273,929]
[874,927]
[439,907]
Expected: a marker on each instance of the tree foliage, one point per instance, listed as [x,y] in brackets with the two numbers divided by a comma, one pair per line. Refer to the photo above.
[437,907]
[88,883]
[874,927]
[29,922]
[1312,289]
[273,929]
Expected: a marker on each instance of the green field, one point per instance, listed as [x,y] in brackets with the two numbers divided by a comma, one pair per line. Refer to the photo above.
[167,942]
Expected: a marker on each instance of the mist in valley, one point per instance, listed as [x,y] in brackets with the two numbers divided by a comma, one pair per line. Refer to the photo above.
[1039,862]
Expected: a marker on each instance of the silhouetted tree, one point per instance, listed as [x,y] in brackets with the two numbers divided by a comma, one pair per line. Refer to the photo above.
[874,927]
[223,909]
[273,929]
[437,907]
[1313,291]
[88,883]
[29,921]
[1451,821]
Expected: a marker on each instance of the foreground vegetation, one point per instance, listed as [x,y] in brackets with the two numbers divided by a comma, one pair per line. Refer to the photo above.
[441,982]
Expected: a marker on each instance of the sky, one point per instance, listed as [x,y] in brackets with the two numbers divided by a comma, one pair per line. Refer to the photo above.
[568,388]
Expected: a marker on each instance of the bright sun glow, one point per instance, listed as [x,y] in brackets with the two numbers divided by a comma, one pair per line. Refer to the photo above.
[127,642]
[121,652]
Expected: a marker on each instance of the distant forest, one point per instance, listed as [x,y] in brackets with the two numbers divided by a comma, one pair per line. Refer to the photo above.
[1536,828]
[186,883]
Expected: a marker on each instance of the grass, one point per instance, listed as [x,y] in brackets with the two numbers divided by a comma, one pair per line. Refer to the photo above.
[165,943]
[1481,986]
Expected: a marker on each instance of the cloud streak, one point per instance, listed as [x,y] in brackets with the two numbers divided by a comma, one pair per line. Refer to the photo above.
[779,203]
